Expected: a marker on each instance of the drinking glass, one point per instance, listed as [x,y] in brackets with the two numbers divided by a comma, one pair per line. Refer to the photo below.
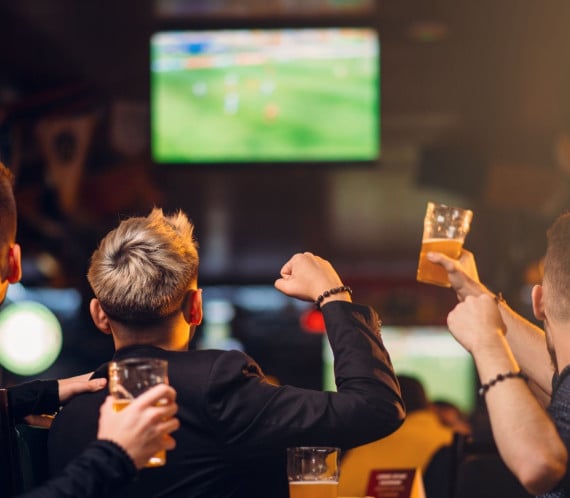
[313,471]
[131,377]
[445,228]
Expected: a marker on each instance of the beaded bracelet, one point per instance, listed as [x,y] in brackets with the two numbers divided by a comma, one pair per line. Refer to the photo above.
[499,378]
[330,292]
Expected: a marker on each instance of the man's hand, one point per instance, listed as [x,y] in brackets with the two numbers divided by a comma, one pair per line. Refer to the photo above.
[79,384]
[476,323]
[306,276]
[462,273]
[143,427]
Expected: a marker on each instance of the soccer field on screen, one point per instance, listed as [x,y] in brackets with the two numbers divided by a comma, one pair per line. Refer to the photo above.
[296,110]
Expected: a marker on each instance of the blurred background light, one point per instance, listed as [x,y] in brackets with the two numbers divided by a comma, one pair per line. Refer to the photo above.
[30,338]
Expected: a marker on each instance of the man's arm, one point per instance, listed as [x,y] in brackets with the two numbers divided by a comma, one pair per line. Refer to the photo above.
[126,440]
[367,405]
[40,397]
[102,468]
[525,435]
[526,340]
[528,344]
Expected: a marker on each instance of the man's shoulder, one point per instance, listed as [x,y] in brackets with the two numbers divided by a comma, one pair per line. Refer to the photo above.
[205,357]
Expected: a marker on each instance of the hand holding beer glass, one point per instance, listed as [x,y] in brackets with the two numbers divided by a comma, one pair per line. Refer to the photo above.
[131,377]
[313,471]
[445,228]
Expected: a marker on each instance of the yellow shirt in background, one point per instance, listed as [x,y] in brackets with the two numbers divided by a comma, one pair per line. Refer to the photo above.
[411,446]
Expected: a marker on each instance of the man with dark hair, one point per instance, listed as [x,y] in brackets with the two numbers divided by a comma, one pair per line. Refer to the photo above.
[39,396]
[235,425]
[509,351]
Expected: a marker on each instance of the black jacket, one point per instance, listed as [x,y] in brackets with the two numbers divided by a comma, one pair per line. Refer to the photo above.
[101,469]
[235,426]
[38,397]
[103,466]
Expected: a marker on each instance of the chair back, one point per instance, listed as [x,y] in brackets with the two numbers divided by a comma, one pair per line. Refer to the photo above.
[481,473]
[8,459]
[23,453]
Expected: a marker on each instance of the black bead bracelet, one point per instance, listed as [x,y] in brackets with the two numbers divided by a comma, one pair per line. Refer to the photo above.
[499,378]
[330,292]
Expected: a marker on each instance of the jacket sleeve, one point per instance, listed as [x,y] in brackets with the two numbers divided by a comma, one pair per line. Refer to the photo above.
[366,406]
[37,397]
[102,469]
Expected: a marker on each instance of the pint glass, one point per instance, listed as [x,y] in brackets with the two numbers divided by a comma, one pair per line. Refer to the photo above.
[131,377]
[445,228]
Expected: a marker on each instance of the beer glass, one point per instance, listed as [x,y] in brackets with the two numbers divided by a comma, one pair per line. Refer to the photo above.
[445,228]
[313,471]
[131,377]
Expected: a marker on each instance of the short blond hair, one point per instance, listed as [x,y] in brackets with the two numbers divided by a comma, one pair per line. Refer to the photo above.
[142,269]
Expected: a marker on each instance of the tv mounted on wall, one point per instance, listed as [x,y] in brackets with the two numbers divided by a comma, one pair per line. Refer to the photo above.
[309,95]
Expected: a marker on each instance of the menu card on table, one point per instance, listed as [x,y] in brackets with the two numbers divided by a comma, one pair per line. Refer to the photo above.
[396,483]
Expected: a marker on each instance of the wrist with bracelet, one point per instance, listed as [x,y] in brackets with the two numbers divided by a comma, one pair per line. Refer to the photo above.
[330,292]
[500,378]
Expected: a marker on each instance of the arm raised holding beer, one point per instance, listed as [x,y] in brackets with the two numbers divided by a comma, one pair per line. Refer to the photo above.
[526,340]
[508,350]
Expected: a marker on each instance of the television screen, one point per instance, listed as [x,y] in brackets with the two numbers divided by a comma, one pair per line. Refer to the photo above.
[265,95]
[432,355]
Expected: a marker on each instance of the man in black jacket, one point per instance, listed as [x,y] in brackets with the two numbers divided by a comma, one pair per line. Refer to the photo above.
[235,425]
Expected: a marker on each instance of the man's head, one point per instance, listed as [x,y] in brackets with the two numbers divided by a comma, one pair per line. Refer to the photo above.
[10,266]
[145,270]
[413,393]
[557,267]
[551,300]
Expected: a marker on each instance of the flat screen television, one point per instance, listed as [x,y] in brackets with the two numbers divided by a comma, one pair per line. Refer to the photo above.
[308,95]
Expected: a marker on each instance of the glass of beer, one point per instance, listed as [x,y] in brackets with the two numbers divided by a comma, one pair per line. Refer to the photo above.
[313,471]
[131,377]
[445,228]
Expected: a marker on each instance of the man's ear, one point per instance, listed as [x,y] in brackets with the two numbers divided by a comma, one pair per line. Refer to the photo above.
[99,317]
[538,302]
[192,308]
[14,264]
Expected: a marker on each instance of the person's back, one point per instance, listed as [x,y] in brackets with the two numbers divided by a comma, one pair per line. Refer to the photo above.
[235,426]
[413,445]
[208,454]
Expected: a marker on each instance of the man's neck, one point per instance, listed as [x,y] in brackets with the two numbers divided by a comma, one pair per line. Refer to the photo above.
[168,338]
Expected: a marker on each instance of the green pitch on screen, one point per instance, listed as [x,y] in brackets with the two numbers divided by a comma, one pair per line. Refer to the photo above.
[295,110]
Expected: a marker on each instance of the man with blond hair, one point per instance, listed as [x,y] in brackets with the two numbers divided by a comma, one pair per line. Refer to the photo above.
[235,425]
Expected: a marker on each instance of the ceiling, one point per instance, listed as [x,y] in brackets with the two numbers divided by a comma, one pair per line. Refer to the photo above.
[480,83]
[486,71]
